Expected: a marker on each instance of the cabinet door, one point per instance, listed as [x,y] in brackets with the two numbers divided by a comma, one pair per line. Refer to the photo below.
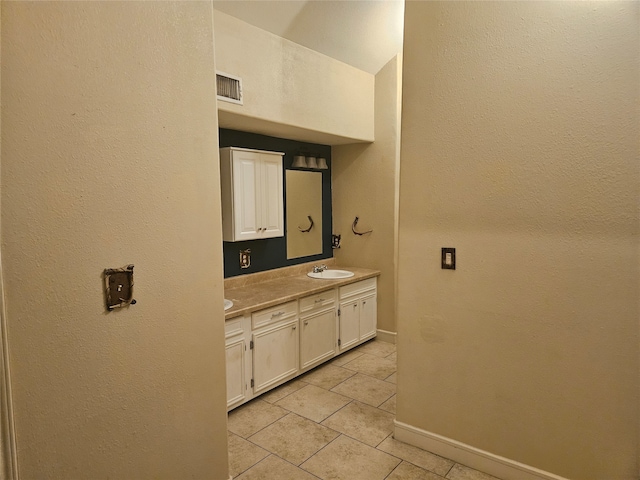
[236,382]
[275,355]
[272,198]
[247,187]
[317,337]
[368,317]
[349,324]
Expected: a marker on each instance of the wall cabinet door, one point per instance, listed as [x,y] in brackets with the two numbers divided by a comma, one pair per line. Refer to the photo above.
[275,354]
[272,197]
[246,193]
[252,194]
[317,337]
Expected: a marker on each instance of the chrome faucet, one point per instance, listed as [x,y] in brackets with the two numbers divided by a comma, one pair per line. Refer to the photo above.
[319,268]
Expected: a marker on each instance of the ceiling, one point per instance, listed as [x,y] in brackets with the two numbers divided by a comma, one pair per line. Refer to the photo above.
[363,33]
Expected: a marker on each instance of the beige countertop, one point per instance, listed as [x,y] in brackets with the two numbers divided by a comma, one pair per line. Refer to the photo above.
[256,296]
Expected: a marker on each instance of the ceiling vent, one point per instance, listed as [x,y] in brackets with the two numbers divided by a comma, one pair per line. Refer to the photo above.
[229,88]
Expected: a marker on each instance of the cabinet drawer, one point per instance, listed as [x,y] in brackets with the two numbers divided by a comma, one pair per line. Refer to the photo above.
[269,316]
[319,300]
[358,288]
[233,327]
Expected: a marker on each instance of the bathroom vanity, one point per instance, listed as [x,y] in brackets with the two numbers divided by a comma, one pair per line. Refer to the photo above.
[282,327]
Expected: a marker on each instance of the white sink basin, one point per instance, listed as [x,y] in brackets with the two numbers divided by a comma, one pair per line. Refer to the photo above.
[227,304]
[331,274]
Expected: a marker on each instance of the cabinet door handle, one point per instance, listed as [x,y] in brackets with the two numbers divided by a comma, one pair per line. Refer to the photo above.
[320,300]
[364,303]
[279,314]
[306,322]
[293,328]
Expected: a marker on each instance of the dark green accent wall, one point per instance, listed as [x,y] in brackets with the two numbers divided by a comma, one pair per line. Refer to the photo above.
[271,253]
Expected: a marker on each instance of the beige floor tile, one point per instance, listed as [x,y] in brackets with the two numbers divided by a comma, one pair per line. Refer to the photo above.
[417,456]
[366,389]
[348,459]
[407,471]
[313,402]
[253,417]
[378,348]
[294,438]
[282,391]
[460,472]
[373,366]
[328,376]
[274,468]
[393,357]
[346,357]
[389,405]
[362,422]
[391,378]
[243,455]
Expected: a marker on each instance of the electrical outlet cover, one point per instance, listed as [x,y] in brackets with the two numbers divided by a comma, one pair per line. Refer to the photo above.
[245,258]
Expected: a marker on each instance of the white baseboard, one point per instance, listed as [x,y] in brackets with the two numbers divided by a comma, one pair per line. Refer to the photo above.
[385,336]
[490,463]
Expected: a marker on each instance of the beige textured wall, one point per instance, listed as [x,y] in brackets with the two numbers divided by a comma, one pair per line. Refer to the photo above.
[290,85]
[109,157]
[520,148]
[364,184]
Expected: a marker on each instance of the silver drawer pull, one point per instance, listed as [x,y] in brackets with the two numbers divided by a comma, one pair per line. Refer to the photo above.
[279,314]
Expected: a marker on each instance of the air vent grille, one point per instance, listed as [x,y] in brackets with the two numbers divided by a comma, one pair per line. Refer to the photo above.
[229,88]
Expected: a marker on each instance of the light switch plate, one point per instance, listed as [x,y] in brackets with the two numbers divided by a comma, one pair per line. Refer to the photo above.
[448,261]
[118,283]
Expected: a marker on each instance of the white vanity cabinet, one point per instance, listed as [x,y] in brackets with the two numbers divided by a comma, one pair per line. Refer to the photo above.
[274,346]
[318,342]
[271,346]
[357,313]
[252,194]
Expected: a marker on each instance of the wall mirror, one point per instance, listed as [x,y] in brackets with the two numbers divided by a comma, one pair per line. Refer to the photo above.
[304,213]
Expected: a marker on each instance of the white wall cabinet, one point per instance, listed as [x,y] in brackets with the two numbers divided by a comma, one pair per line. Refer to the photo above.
[252,194]
[357,313]
[274,345]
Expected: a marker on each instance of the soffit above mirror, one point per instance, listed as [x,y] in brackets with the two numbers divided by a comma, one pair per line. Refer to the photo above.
[235,121]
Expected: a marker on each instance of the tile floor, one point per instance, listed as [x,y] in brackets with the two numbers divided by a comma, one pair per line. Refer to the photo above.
[335,422]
